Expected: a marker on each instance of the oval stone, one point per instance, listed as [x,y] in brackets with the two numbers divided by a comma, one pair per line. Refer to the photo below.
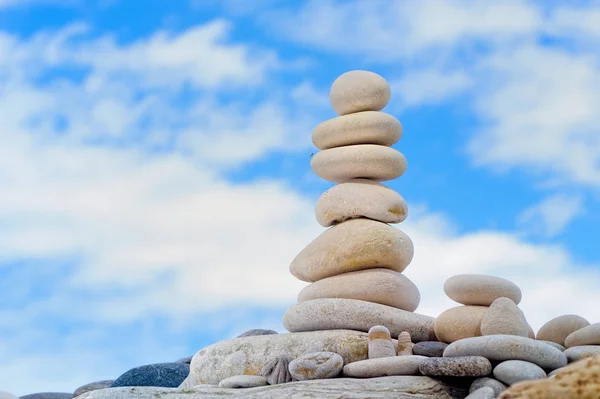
[356,91]
[482,393]
[430,348]
[576,353]
[356,244]
[477,289]
[382,286]
[554,345]
[363,161]
[589,335]
[504,317]
[333,313]
[368,127]
[384,366]
[243,381]
[360,198]
[512,371]
[508,347]
[559,328]
[168,375]
[459,322]
[380,343]
[316,366]
[464,366]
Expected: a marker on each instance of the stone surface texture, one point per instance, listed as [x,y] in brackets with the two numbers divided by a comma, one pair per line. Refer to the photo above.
[362,161]
[385,366]
[559,328]
[430,348]
[360,198]
[580,380]
[276,371]
[477,289]
[405,344]
[331,314]
[48,395]
[482,393]
[576,353]
[168,375]
[496,385]
[554,345]
[316,366]
[382,286]
[504,317]
[512,371]
[367,127]
[508,347]
[356,244]
[356,91]
[380,343]
[589,335]
[459,322]
[92,387]
[243,381]
[464,366]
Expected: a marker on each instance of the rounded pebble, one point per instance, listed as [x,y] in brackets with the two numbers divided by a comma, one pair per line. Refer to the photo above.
[512,371]
[482,393]
[359,90]
[380,343]
[464,366]
[405,344]
[360,198]
[430,348]
[504,317]
[495,385]
[243,381]
[316,366]
[478,289]
[459,322]
[385,366]
[576,353]
[559,328]
[589,335]
[364,161]
[382,286]
[368,127]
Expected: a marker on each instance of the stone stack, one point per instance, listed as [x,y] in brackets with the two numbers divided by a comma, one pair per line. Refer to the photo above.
[356,265]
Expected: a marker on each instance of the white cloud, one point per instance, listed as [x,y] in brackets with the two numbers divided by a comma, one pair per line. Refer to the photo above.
[550,217]
[430,86]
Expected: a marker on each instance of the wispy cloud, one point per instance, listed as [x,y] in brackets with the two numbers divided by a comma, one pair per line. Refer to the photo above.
[550,217]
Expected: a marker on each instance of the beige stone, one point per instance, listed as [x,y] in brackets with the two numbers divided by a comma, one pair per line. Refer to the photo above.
[360,198]
[359,90]
[386,366]
[504,317]
[405,344]
[331,314]
[356,244]
[580,380]
[459,322]
[531,333]
[363,161]
[368,127]
[588,335]
[383,286]
[559,328]
[482,290]
[380,343]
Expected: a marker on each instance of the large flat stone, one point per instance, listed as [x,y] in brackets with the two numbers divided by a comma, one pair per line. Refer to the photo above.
[396,387]
[337,313]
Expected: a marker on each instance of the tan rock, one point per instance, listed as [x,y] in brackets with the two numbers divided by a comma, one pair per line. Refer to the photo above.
[380,343]
[368,127]
[482,290]
[405,344]
[363,161]
[331,314]
[356,244]
[360,198]
[531,333]
[580,380]
[459,322]
[505,318]
[588,335]
[385,366]
[383,286]
[357,91]
[559,328]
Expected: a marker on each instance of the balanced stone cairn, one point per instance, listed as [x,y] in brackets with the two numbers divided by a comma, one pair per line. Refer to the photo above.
[356,265]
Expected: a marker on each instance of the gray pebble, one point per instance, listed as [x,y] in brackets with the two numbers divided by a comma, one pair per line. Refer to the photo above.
[430,348]
[496,385]
[316,366]
[276,371]
[257,331]
[462,366]
[92,387]
[576,353]
[482,393]
[512,371]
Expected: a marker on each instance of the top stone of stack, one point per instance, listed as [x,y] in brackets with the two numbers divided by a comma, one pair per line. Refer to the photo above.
[358,91]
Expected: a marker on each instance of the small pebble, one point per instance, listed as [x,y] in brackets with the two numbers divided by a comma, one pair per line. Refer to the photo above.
[276,371]
[496,385]
[316,366]
[405,345]
[430,348]
[243,381]
[576,353]
[380,343]
[482,393]
[512,371]
[464,366]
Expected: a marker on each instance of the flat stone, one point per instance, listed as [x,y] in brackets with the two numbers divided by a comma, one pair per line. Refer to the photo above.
[554,345]
[362,161]
[559,328]
[360,198]
[395,387]
[463,366]
[478,289]
[459,322]
[430,348]
[508,347]
[333,313]
[380,343]
[243,381]
[257,331]
[580,380]
[359,90]
[92,387]
[504,317]
[248,355]
[7,395]
[512,371]
[589,335]
[383,286]
[384,366]
[367,127]
[576,353]
[48,395]
[168,375]
[495,385]
[482,393]
[356,244]
[276,371]
[316,366]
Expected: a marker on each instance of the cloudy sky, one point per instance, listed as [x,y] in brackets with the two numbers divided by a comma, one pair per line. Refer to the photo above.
[154,164]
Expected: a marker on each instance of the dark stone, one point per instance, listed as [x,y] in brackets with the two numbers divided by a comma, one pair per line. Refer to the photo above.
[166,375]
[48,395]
[92,387]
[430,348]
[460,366]
[186,360]
[257,331]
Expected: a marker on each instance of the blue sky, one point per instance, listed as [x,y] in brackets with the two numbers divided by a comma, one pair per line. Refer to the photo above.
[155,178]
